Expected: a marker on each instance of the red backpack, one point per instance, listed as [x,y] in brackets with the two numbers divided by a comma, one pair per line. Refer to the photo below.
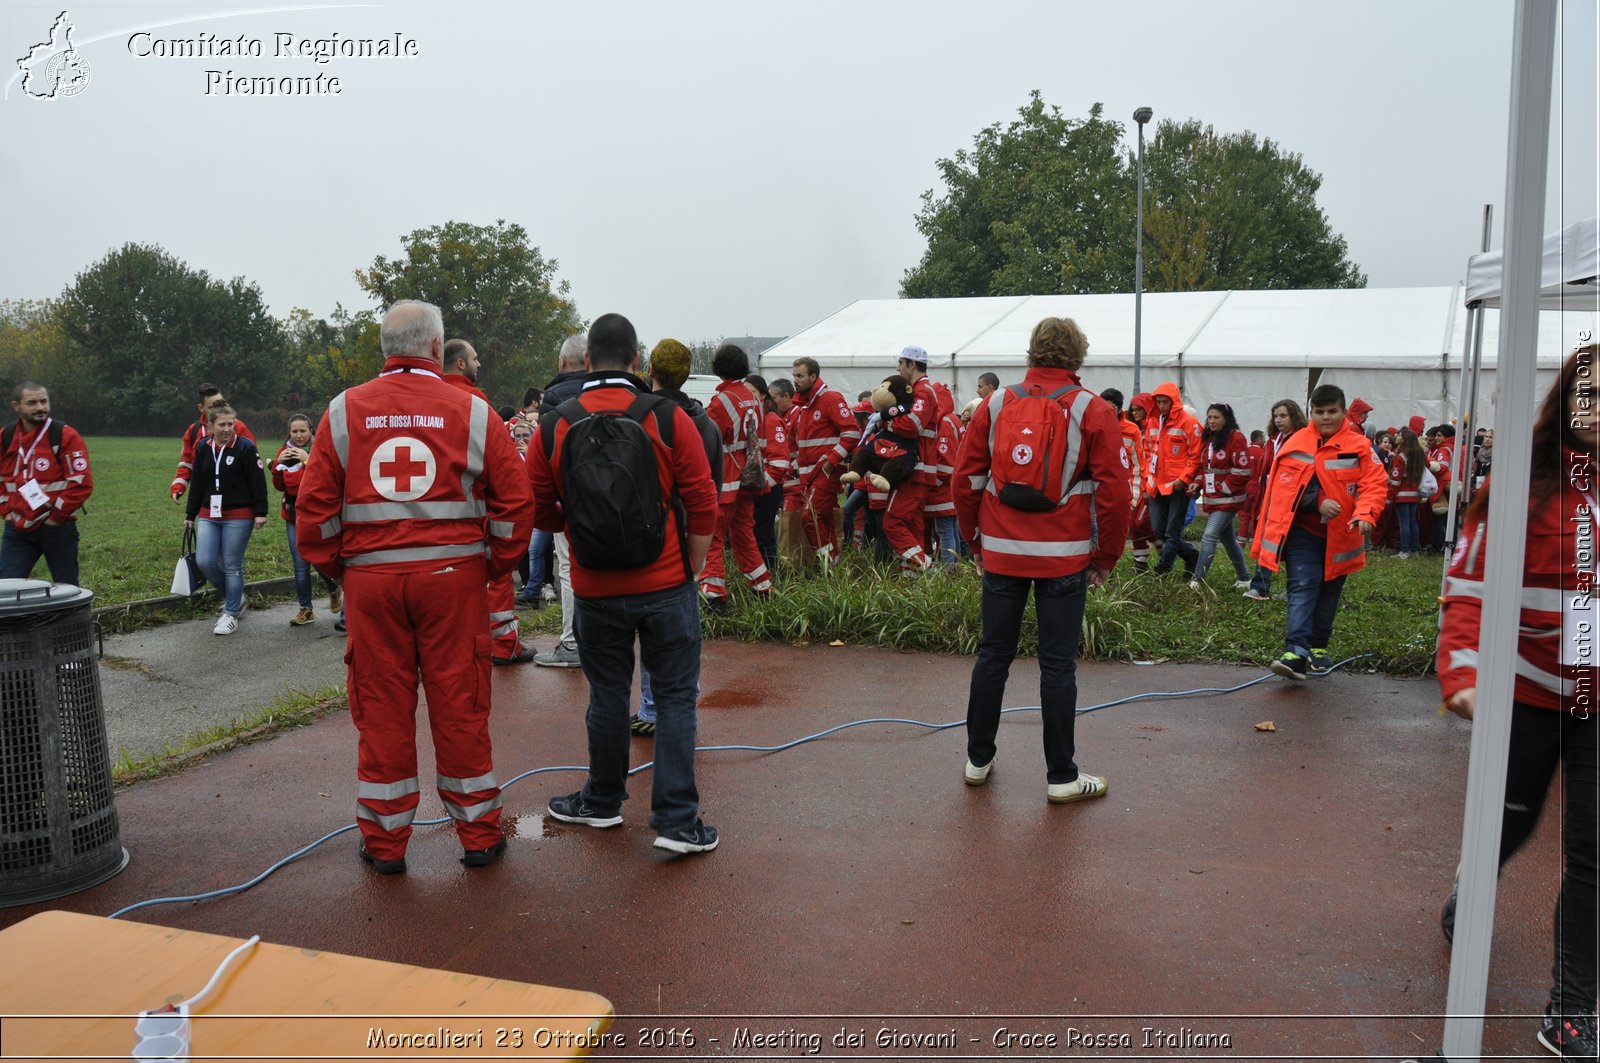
[1028,444]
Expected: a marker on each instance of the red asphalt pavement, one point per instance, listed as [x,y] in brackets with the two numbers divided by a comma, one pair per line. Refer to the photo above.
[1278,889]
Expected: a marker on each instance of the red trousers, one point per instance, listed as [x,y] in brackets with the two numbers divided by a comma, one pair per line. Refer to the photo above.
[736,528]
[504,628]
[402,625]
[902,525]
[816,515]
[1142,535]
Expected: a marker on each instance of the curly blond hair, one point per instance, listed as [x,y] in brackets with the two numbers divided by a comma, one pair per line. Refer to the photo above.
[1057,343]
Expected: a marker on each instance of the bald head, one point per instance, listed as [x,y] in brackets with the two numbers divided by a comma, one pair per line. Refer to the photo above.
[460,359]
[412,329]
[571,359]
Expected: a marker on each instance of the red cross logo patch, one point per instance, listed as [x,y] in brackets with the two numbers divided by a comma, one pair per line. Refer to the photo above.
[402,469]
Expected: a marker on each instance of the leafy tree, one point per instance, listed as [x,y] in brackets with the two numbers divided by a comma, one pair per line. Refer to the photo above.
[33,346]
[146,328]
[495,290]
[1234,211]
[327,356]
[1045,204]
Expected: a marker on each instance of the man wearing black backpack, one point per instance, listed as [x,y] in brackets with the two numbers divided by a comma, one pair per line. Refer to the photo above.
[46,482]
[1041,493]
[624,474]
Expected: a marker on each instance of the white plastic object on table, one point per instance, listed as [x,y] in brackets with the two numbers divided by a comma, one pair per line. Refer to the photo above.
[164,1034]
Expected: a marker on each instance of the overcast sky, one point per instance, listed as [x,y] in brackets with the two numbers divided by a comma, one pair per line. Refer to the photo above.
[717,169]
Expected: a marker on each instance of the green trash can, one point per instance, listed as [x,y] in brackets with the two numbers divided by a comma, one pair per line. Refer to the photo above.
[58,817]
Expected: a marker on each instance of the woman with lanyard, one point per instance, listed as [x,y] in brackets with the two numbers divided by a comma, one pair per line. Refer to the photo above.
[227,501]
[1553,711]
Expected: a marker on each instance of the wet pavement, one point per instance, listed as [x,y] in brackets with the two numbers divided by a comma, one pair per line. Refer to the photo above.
[1277,889]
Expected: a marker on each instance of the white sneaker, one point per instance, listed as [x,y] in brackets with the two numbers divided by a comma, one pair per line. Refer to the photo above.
[977,776]
[1081,789]
[227,624]
[547,593]
[1194,584]
[1241,584]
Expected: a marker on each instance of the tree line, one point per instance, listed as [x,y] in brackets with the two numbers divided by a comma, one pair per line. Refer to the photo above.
[1043,204]
[123,346]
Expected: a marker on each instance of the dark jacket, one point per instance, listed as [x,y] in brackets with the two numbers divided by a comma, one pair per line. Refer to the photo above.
[565,386]
[710,434]
[244,481]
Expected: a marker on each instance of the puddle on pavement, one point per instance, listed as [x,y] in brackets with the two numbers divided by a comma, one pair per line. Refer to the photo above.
[528,825]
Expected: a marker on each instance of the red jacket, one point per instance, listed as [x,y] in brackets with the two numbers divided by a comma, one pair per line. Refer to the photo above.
[1345,471]
[736,412]
[775,448]
[940,501]
[791,479]
[408,472]
[1554,579]
[63,476]
[825,432]
[1171,446]
[1258,457]
[1442,456]
[191,438]
[287,481]
[1398,491]
[684,471]
[1225,475]
[920,421]
[1055,542]
[1133,443]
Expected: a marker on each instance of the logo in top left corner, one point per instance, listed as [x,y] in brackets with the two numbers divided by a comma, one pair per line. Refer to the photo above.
[54,69]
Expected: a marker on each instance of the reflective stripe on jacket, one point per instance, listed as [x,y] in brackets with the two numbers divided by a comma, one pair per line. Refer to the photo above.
[1347,472]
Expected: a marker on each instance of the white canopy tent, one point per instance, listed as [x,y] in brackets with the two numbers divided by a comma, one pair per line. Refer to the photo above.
[1569,265]
[1401,349]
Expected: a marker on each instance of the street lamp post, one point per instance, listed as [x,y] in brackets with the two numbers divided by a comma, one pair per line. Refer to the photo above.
[1141,116]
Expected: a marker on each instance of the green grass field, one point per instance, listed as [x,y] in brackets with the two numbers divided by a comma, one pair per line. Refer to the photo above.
[130,533]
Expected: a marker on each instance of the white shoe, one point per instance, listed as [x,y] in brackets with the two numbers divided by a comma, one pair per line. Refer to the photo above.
[227,624]
[1194,585]
[1241,584]
[1080,789]
[977,776]
[547,593]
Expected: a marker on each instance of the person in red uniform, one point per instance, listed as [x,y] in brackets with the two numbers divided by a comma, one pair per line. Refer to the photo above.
[1224,472]
[1141,534]
[902,524]
[1058,552]
[1553,717]
[1287,419]
[414,499]
[1324,495]
[792,548]
[940,506]
[1133,444]
[210,395]
[775,457]
[737,414]
[825,433]
[653,603]
[1172,449]
[46,482]
[461,365]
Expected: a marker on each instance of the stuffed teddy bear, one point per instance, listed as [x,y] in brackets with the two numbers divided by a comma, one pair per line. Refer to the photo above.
[885,460]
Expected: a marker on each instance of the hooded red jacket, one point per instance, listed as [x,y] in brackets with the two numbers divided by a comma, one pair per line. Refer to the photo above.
[1171,445]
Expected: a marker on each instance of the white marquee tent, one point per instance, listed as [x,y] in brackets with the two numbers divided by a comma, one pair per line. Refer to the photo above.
[1401,349]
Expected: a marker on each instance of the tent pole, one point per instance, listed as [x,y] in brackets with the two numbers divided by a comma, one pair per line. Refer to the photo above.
[1471,419]
[1527,157]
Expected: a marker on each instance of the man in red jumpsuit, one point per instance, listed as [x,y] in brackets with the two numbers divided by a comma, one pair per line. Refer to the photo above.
[737,415]
[902,524]
[415,497]
[824,432]
[210,395]
[461,365]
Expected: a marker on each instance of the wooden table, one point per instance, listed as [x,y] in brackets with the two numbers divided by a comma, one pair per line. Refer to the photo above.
[71,986]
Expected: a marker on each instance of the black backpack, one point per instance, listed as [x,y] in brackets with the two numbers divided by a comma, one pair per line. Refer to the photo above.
[53,437]
[611,482]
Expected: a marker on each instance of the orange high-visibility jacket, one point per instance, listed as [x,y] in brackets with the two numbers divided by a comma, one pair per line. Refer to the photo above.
[1346,471]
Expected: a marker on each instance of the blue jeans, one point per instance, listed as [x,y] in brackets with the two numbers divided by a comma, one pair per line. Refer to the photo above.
[302,571]
[1058,603]
[667,626]
[219,550]
[1410,539]
[949,539]
[1261,582]
[1313,601]
[58,543]
[1169,515]
[1219,528]
[538,555]
[852,506]
[647,699]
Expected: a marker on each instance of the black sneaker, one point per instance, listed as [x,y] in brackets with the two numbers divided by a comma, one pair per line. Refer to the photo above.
[695,838]
[484,857]
[1568,1036]
[718,606]
[1291,666]
[642,727]
[382,867]
[1321,662]
[574,809]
